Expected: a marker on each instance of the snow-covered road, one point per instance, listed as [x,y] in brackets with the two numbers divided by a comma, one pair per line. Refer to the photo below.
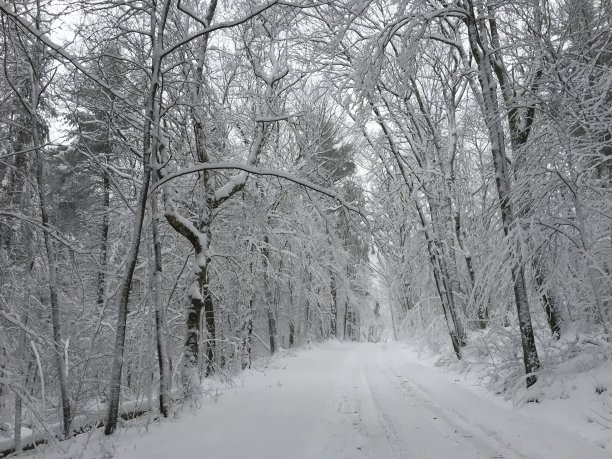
[352,400]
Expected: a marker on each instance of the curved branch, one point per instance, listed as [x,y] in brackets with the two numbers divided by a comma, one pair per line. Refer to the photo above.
[261,171]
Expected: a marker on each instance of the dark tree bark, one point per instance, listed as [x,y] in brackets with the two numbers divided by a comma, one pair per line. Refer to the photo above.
[334,305]
[520,123]
[160,312]
[104,239]
[132,256]
[247,331]
[269,288]
[478,39]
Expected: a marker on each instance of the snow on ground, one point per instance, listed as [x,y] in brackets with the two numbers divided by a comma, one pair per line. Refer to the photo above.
[574,387]
[351,400]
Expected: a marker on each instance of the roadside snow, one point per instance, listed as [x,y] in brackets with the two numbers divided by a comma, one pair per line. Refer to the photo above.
[351,400]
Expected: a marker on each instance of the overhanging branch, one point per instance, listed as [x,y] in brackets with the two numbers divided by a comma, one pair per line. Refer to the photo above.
[266,172]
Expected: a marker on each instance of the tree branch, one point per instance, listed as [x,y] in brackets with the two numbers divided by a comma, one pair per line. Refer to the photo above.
[261,171]
[222,25]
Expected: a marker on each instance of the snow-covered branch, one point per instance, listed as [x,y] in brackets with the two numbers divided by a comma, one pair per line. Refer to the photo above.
[262,171]
[221,25]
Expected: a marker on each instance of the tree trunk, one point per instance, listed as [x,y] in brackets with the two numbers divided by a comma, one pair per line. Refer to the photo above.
[483,310]
[291,334]
[445,261]
[480,50]
[52,262]
[17,425]
[520,122]
[160,314]
[124,298]
[334,305]
[211,330]
[308,310]
[191,353]
[247,330]
[272,329]
[269,289]
[549,299]
[21,351]
[132,256]
[104,240]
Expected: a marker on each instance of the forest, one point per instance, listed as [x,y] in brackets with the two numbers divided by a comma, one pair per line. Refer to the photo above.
[187,186]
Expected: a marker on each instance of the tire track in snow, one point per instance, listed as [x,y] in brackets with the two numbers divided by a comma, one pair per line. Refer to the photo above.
[375,432]
[476,431]
[412,424]
[354,401]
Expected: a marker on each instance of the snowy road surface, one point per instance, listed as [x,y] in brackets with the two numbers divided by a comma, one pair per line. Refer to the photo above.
[373,401]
